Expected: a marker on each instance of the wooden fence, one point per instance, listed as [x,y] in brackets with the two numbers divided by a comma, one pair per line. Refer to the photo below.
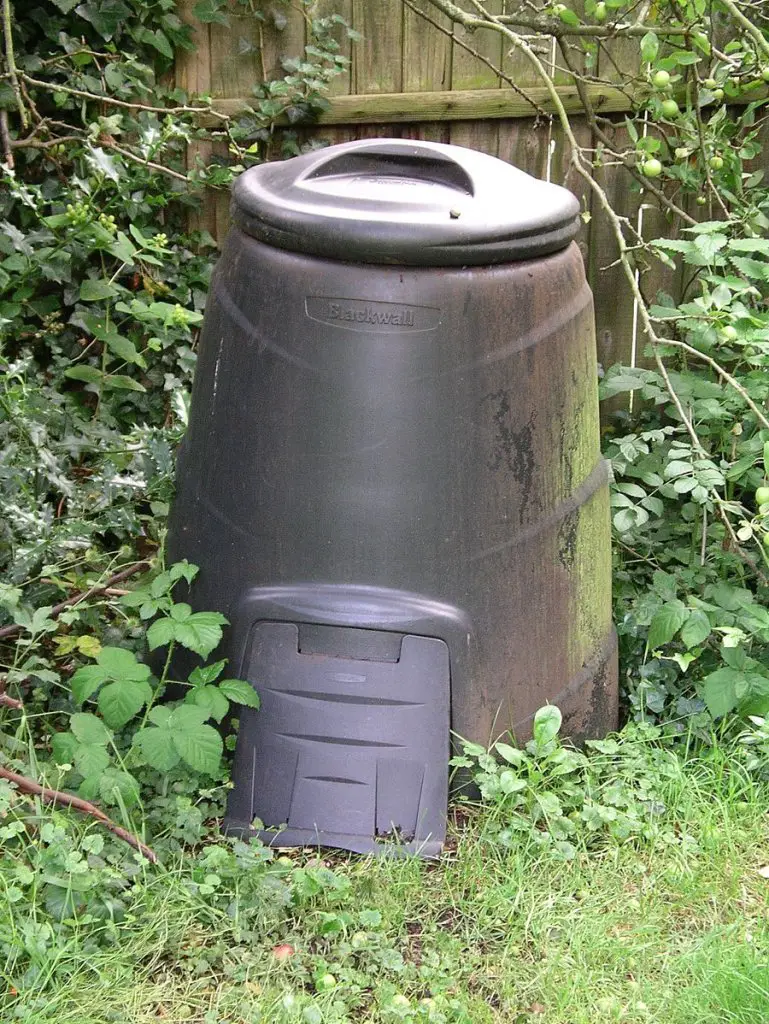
[410,77]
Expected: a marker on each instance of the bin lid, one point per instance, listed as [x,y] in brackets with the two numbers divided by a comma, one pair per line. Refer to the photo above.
[404,202]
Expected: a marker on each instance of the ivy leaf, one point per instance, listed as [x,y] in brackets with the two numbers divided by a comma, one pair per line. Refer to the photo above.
[210,11]
[90,729]
[665,623]
[119,702]
[240,692]
[102,163]
[106,16]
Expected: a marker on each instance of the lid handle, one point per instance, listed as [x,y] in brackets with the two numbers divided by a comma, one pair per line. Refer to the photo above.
[394,160]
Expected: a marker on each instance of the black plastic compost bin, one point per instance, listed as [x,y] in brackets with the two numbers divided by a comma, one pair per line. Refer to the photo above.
[392,483]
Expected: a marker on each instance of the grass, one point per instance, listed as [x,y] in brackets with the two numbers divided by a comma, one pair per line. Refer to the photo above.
[670,930]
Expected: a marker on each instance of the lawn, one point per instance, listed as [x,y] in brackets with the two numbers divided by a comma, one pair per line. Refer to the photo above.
[668,928]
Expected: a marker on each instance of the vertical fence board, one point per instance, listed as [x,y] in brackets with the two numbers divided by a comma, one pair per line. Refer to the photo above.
[378,60]
[192,73]
[342,84]
[468,72]
[426,50]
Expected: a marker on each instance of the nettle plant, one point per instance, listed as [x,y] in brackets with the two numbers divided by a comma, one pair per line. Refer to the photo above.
[126,724]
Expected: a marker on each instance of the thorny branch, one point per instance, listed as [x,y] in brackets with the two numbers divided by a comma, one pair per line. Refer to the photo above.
[84,595]
[62,799]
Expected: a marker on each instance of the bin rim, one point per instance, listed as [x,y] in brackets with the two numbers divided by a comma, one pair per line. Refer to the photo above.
[397,201]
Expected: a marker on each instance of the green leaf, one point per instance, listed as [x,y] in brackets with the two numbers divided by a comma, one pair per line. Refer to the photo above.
[106,16]
[511,754]
[547,722]
[89,729]
[160,715]
[200,746]
[117,787]
[119,382]
[120,663]
[240,692]
[123,348]
[209,11]
[187,716]
[696,629]
[88,374]
[650,45]
[707,247]
[206,674]
[509,782]
[63,747]
[202,632]
[180,612]
[720,691]
[119,702]
[156,746]
[86,681]
[160,633]
[90,759]
[102,163]
[209,699]
[665,623]
[96,289]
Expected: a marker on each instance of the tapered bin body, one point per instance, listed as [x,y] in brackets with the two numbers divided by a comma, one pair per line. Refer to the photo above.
[392,483]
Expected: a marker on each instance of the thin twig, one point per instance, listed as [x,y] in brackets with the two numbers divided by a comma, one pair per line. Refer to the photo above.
[100,588]
[61,799]
[5,139]
[148,163]
[97,98]
[10,61]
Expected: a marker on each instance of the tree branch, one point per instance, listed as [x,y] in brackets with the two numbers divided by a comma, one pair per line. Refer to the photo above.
[10,60]
[61,799]
[100,588]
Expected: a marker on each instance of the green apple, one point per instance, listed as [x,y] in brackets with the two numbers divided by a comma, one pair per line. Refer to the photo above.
[765,73]
[670,108]
[716,162]
[710,83]
[661,79]
[762,495]
[718,95]
[728,333]
[325,982]
[652,168]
